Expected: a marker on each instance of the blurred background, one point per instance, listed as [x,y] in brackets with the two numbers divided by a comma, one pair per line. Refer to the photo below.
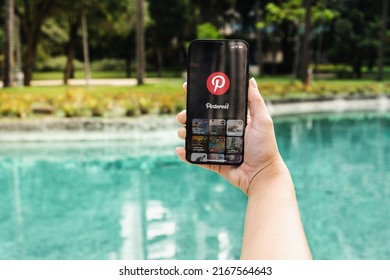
[87,129]
[51,39]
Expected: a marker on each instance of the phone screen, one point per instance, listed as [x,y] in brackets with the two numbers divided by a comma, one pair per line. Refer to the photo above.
[216,101]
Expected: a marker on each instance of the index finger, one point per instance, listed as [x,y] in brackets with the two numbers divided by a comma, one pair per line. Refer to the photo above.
[182,117]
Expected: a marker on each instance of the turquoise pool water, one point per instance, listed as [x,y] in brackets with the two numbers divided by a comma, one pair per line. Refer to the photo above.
[135,200]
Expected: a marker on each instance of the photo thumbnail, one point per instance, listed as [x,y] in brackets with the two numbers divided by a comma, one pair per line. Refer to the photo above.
[234,145]
[235,128]
[217,144]
[217,126]
[199,126]
[199,157]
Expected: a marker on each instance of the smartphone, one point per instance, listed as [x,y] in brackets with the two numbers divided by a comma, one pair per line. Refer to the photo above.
[217,98]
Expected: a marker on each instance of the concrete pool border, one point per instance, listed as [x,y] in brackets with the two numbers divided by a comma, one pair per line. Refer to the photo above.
[105,129]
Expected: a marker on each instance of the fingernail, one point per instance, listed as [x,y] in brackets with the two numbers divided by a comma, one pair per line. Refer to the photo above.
[253,83]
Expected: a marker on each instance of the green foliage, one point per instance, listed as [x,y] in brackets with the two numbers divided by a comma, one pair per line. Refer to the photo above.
[55,31]
[293,11]
[144,105]
[332,68]
[130,108]
[272,90]
[11,106]
[2,36]
[108,64]
[207,31]
[169,19]
[56,64]
[287,11]
[343,32]
[356,34]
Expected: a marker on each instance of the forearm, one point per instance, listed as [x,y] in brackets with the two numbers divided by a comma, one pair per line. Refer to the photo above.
[273,228]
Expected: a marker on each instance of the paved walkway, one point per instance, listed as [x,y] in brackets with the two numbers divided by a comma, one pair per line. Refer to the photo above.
[92,82]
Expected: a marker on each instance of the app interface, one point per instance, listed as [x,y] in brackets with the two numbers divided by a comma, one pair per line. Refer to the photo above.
[216,98]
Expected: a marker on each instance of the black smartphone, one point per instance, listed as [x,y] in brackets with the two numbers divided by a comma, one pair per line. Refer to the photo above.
[217,96]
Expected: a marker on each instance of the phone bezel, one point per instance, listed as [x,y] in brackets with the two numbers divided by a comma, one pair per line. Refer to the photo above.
[221,43]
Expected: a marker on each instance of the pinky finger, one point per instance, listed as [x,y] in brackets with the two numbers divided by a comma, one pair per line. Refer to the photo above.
[181,153]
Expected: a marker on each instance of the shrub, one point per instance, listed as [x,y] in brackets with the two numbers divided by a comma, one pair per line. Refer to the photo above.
[81,102]
[108,64]
[74,103]
[129,106]
[144,105]
[14,107]
[332,68]
[179,106]
[57,64]
[386,88]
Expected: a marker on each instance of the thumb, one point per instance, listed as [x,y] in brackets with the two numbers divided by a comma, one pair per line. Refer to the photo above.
[257,106]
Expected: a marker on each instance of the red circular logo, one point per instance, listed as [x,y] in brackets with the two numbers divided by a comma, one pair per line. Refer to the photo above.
[218,83]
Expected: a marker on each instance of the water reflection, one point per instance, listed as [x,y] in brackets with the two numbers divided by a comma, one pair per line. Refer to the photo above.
[132,201]
[341,174]
[129,208]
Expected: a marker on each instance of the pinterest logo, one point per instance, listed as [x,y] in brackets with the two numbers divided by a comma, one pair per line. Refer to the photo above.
[218,83]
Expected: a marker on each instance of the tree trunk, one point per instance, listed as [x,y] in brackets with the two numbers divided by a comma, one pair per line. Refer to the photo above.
[357,67]
[288,49]
[318,55]
[159,61]
[69,69]
[32,43]
[128,67]
[259,38]
[130,53]
[305,77]
[34,12]
[9,46]
[87,66]
[382,45]
[18,57]
[274,55]
[140,53]
[297,41]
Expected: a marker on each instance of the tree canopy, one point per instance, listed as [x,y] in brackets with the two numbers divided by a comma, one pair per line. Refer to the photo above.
[347,32]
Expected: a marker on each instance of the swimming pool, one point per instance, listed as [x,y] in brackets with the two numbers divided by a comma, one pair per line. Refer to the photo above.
[136,200]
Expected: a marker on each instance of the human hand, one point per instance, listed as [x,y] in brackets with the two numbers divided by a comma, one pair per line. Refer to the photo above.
[261,155]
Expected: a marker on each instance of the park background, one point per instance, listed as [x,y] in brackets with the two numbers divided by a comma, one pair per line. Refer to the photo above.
[87,129]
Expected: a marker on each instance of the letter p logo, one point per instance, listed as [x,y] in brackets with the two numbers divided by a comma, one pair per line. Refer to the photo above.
[218,83]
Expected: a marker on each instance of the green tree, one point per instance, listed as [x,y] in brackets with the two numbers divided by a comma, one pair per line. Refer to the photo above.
[32,14]
[114,37]
[60,35]
[109,23]
[212,10]
[168,28]
[355,34]
[292,13]
[305,78]
[73,26]
[382,45]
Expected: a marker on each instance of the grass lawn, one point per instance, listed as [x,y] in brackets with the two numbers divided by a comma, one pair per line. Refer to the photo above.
[79,74]
[165,86]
